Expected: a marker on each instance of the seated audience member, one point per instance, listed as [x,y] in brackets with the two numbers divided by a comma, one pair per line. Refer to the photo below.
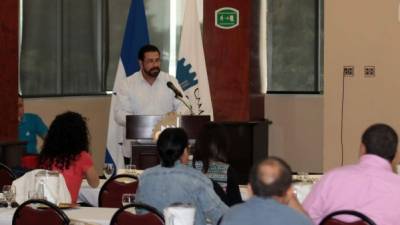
[172,182]
[270,185]
[210,157]
[65,149]
[370,186]
[30,126]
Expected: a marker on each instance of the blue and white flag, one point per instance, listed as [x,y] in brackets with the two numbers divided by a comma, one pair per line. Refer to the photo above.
[136,35]
[191,66]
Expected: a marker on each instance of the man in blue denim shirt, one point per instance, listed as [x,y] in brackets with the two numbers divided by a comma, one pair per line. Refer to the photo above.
[172,182]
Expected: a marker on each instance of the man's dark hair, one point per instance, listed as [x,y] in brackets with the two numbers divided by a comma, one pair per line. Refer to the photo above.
[147,48]
[170,145]
[380,140]
[265,185]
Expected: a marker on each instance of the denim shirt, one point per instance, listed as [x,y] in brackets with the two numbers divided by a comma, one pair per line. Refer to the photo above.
[162,186]
[266,211]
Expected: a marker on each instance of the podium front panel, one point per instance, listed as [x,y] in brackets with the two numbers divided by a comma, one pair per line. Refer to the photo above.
[140,126]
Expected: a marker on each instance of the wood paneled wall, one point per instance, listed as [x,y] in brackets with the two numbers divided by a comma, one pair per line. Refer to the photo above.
[8,69]
[227,55]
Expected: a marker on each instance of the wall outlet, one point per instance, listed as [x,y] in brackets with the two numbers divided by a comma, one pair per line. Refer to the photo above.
[369,71]
[348,71]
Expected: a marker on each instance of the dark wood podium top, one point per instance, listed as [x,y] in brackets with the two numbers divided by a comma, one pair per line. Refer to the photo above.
[141,127]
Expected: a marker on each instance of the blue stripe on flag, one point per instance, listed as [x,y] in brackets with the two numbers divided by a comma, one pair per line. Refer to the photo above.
[136,35]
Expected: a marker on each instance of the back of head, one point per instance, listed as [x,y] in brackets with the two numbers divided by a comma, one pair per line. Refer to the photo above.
[271,177]
[212,144]
[147,48]
[380,140]
[66,138]
[170,145]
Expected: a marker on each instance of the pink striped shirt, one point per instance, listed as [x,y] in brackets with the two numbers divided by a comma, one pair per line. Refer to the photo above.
[369,187]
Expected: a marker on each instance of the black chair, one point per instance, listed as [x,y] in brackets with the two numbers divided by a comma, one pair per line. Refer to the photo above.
[6,176]
[363,219]
[39,212]
[111,192]
[147,216]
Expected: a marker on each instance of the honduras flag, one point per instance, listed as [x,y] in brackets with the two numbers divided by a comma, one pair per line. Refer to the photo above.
[191,66]
[136,35]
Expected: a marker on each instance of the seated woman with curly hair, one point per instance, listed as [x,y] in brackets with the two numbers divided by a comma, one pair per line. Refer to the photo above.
[65,149]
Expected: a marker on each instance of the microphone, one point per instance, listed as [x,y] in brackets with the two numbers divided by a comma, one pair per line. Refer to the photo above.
[174,89]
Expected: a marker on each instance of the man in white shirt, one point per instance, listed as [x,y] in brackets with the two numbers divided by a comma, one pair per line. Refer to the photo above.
[146,91]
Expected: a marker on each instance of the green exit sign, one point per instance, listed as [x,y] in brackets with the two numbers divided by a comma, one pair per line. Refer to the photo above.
[226,18]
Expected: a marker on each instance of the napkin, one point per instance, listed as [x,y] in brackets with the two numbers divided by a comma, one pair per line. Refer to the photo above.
[179,215]
[25,185]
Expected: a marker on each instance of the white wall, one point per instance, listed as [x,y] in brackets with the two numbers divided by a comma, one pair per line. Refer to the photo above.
[296,130]
[359,33]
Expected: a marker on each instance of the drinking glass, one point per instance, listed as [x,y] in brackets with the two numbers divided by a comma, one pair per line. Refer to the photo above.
[128,198]
[9,194]
[130,169]
[108,170]
[303,177]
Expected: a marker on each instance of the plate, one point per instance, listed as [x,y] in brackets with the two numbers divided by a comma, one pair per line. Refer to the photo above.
[67,205]
[60,205]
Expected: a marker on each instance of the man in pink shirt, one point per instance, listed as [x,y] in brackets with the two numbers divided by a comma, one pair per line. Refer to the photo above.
[370,186]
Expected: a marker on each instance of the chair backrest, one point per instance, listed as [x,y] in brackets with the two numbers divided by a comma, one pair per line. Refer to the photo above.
[111,192]
[363,219]
[6,176]
[39,212]
[143,215]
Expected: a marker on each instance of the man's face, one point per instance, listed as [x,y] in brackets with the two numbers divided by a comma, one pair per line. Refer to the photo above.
[150,64]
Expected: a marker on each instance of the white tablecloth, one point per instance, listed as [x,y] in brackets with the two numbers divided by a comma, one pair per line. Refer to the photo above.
[88,194]
[95,216]
[302,189]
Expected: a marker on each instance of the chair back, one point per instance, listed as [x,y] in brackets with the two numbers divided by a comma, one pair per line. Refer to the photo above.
[39,212]
[141,215]
[30,162]
[6,176]
[363,219]
[111,192]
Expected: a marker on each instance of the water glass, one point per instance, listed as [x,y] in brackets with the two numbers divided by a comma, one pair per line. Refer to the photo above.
[130,169]
[128,198]
[303,177]
[108,170]
[9,194]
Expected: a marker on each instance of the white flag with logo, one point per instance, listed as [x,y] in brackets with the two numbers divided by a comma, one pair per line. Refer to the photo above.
[191,66]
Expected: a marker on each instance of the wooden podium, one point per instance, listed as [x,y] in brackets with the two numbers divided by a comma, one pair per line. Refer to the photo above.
[139,129]
[248,141]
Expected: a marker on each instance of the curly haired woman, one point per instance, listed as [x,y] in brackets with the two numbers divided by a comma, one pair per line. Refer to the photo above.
[65,149]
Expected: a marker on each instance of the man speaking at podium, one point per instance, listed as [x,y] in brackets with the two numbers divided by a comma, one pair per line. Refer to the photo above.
[149,91]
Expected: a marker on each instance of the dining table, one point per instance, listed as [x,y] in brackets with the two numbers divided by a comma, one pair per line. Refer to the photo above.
[302,186]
